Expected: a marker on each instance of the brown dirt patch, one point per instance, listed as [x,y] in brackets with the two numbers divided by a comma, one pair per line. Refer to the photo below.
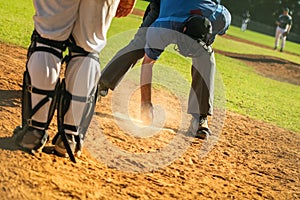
[268,66]
[252,159]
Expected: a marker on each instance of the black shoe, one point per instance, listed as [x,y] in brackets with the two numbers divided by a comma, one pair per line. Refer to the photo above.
[199,127]
[30,138]
[281,50]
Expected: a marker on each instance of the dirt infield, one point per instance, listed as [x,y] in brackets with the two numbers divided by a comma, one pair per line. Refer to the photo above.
[251,160]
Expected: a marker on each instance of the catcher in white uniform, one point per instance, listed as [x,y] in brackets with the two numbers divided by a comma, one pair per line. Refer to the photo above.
[81,26]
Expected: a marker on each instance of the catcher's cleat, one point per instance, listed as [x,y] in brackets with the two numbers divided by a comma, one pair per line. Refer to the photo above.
[31,139]
[199,128]
[60,149]
[146,113]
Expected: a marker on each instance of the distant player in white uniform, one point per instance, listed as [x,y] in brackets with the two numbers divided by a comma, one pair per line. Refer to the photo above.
[245,20]
[81,26]
[284,25]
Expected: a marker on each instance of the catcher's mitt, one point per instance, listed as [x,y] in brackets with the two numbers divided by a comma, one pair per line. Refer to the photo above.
[285,34]
[125,8]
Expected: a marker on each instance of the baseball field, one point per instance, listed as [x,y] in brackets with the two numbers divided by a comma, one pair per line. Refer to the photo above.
[252,154]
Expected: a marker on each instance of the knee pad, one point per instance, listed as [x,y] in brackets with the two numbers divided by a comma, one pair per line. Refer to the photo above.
[28,111]
[58,47]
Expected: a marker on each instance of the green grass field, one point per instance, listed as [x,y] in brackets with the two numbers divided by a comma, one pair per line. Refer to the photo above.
[247,92]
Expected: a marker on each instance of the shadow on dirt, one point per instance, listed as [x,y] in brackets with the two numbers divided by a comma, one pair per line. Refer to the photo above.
[10,98]
[8,143]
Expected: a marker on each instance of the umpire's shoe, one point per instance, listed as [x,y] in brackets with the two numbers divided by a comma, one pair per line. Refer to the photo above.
[31,139]
[61,150]
[199,127]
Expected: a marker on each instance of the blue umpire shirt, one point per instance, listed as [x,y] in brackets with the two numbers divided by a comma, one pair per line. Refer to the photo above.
[180,10]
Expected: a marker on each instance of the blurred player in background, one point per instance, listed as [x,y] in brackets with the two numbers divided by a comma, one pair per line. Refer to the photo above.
[284,25]
[245,20]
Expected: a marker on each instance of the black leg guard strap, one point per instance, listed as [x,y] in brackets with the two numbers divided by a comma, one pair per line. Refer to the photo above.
[63,106]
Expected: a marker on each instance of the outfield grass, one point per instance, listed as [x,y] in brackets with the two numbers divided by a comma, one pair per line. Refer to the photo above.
[16,21]
[259,97]
[247,92]
[141,4]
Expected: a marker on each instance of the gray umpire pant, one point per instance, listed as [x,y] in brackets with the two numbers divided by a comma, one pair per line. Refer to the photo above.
[202,88]
[203,63]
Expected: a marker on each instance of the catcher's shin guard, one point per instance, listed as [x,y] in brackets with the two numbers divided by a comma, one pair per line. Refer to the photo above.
[28,111]
[32,134]
[81,129]
[28,89]
[25,135]
[78,127]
